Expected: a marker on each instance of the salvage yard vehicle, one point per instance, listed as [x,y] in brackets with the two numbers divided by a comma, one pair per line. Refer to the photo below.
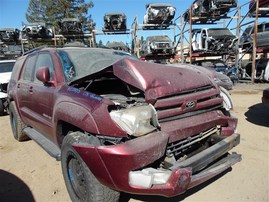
[157,45]
[217,70]
[204,11]
[246,40]
[9,34]
[213,40]
[37,30]
[158,15]
[261,69]
[10,51]
[263,8]
[216,64]
[70,26]
[115,21]
[6,67]
[118,46]
[122,125]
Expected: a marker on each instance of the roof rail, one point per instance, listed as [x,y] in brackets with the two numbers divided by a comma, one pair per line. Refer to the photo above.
[35,49]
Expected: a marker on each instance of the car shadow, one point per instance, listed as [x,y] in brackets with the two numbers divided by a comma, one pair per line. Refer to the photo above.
[13,188]
[258,114]
[127,197]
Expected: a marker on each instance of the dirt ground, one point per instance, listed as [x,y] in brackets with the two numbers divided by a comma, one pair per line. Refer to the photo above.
[28,173]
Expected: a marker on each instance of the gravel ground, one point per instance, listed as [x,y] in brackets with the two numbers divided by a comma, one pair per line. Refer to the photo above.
[27,173]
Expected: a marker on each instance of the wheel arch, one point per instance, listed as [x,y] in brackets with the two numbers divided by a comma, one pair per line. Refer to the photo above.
[72,117]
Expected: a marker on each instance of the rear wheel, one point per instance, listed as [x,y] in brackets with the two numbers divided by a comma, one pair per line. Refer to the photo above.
[16,123]
[80,182]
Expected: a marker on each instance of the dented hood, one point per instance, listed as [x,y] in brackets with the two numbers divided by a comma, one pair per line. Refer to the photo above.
[159,80]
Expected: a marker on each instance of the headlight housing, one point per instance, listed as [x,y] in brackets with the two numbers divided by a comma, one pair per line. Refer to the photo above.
[227,100]
[136,121]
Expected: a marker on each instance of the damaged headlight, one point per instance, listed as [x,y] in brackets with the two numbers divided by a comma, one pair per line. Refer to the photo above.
[227,101]
[136,121]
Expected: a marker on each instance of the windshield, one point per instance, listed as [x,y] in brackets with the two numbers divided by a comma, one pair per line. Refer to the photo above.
[6,67]
[219,32]
[78,63]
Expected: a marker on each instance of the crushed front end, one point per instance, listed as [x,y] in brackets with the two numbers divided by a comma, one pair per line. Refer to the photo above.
[178,138]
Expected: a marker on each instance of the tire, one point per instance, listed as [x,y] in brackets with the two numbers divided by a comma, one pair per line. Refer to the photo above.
[81,184]
[2,110]
[16,123]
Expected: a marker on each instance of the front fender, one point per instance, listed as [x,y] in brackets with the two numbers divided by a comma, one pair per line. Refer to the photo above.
[76,115]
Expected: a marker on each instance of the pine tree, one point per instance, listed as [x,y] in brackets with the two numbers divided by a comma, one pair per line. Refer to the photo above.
[51,12]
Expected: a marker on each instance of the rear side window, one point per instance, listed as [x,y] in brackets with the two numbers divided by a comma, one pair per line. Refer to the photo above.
[17,67]
[28,68]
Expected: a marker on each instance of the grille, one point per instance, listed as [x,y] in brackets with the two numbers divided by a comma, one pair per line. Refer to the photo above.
[188,103]
[163,45]
[184,147]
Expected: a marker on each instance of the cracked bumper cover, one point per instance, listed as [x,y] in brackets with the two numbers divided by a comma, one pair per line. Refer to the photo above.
[112,165]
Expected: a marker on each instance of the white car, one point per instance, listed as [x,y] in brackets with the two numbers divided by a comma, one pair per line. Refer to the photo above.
[213,40]
[6,67]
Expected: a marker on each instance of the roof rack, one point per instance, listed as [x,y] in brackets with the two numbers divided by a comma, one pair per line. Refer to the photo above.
[35,49]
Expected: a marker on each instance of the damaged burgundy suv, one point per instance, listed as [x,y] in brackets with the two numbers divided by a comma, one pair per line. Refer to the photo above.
[122,125]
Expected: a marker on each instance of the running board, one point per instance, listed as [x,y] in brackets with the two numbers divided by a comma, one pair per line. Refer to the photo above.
[52,149]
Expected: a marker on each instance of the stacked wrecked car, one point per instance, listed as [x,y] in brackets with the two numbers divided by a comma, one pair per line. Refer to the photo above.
[204,11]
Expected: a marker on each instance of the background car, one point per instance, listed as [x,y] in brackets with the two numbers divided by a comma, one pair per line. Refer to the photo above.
[157,45]
[215,64]
[213,40]
[9,34]
[209,10]
[262,4]
[246,40]
[37,30]
[262,69]
[70,26]
[219,77]
[118,46]
[10,51]
[6,67]
[159,14]
[115,21]
[219,66]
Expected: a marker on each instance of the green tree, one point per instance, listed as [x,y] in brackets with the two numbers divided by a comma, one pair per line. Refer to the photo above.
[51,12]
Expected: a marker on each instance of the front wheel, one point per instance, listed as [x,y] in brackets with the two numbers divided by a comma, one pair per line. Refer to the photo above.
[79,180]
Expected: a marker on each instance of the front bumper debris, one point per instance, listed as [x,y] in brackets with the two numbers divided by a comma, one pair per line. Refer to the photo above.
[124,167]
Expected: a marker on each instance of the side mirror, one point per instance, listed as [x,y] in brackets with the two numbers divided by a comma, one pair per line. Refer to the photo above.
[43,75]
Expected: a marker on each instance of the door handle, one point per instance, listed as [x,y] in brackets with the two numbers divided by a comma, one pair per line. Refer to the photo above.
[31,89]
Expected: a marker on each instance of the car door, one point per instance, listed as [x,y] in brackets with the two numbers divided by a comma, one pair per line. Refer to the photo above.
[23,89]
[43,96]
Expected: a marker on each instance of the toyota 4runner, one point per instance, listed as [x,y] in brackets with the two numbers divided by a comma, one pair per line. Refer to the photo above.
[118,124]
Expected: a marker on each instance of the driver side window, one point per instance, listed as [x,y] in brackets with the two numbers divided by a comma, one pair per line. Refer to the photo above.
[44,60]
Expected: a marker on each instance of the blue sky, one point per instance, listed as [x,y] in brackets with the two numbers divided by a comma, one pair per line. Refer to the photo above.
[12,14]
